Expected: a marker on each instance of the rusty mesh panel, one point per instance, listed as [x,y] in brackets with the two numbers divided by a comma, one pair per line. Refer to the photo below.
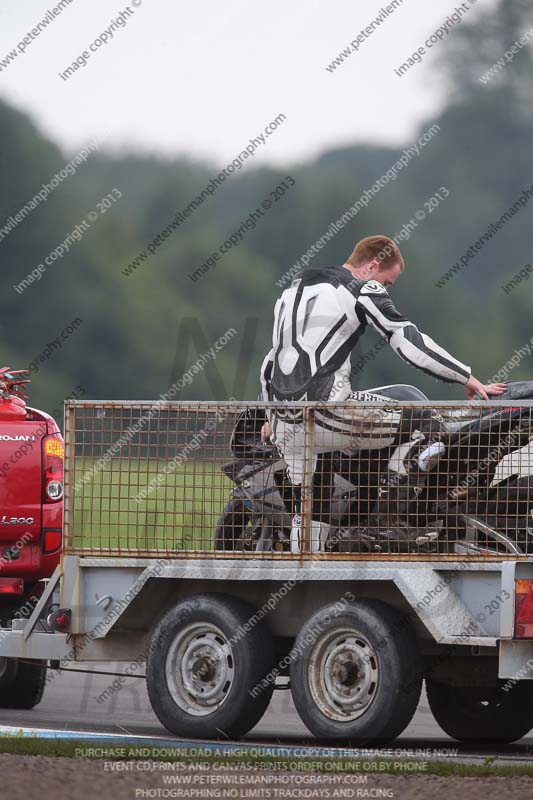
[338,480]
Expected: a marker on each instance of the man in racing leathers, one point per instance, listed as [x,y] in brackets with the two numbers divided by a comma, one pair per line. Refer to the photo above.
[318,321]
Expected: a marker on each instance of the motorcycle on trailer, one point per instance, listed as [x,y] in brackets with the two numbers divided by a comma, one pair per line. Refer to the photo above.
[437,489]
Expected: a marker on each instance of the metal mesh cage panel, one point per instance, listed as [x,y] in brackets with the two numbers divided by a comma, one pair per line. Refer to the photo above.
[367,480]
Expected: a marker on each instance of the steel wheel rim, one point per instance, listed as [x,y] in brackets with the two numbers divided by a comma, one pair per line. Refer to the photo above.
[343,674]
[200,669]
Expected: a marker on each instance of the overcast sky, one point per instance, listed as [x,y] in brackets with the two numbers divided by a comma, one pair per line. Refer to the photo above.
[202,78]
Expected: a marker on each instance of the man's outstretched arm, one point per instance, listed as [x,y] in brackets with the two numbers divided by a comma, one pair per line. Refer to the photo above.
[416,348]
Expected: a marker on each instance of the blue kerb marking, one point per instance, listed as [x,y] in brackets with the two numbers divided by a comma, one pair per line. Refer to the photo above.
[235,748]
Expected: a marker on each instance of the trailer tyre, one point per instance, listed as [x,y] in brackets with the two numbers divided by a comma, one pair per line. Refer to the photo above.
[21,683]
[354,672]
[200,681]
[477,713]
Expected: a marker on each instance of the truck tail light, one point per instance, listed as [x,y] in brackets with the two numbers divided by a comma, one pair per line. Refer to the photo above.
[53,457]
[523,609]
[51,541]
[11,586]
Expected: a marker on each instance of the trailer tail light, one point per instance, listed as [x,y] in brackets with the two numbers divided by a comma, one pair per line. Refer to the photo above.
[53,458]
[11,586]
[59,620]
[523,609]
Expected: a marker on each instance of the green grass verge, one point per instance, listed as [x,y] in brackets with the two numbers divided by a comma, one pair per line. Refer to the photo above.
[60,748]
[179,515]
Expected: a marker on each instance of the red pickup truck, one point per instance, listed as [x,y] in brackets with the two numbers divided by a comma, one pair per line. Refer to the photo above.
[31,506]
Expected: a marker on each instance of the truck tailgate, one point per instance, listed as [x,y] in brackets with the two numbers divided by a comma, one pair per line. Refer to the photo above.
[21,480]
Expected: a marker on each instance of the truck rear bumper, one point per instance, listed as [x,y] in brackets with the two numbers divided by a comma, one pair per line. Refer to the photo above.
[31,564]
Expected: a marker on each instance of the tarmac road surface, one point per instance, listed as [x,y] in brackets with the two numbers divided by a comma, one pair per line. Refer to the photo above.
[71,703]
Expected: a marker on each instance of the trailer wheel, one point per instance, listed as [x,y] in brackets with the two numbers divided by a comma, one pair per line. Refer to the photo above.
[204,671]
[354,675]
[478,713]
[21,683]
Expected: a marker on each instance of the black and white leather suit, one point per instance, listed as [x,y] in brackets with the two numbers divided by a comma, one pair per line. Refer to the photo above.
[318,321]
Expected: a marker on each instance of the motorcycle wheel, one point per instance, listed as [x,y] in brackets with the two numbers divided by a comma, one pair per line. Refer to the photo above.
[234,531]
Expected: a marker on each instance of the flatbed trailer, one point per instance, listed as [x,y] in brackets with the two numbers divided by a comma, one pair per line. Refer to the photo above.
[354,633]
